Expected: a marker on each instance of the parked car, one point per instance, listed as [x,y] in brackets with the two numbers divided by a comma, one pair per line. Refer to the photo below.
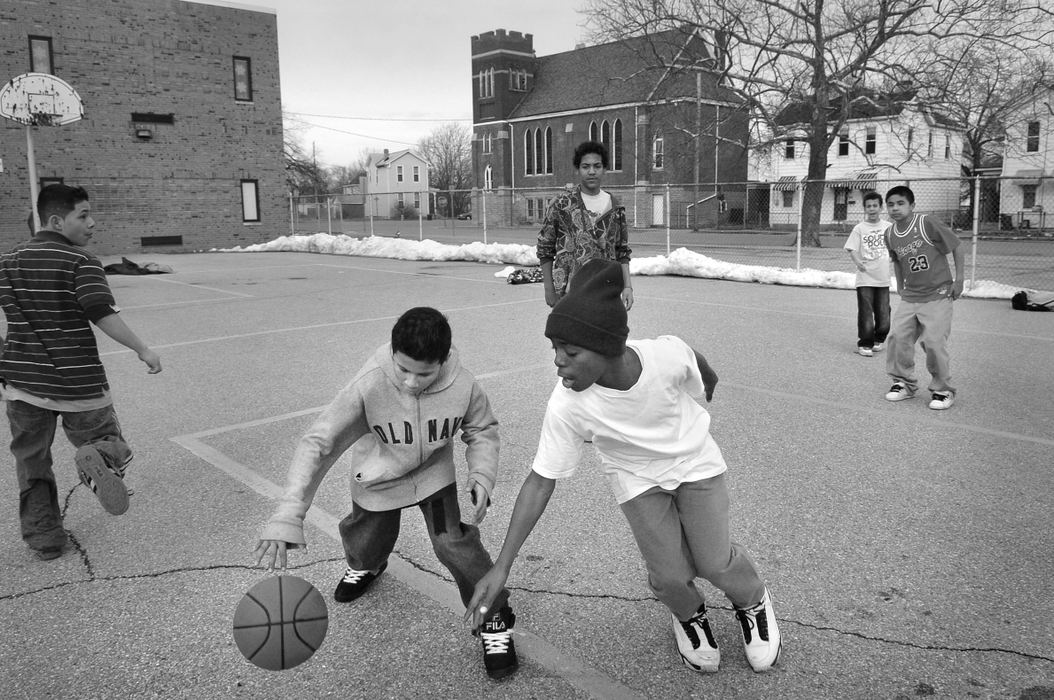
[465,216]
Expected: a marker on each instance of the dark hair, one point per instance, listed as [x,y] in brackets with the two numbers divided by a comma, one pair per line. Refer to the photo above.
[902,190]
[58,200]
[587,147]
[872,195]
[422,334]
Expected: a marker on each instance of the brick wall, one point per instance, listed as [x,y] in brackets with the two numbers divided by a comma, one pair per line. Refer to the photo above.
[159,58]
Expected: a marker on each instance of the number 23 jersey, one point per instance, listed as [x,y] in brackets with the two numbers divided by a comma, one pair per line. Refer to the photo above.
[921,254]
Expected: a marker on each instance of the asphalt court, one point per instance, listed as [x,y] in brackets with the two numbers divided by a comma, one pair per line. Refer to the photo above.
[907,551]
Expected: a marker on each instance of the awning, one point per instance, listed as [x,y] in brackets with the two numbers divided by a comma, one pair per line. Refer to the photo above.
[1027,177]
[863,180]
[785,183]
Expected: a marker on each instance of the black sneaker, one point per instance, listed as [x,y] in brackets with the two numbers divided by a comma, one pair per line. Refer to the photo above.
[499,651]
[355,582]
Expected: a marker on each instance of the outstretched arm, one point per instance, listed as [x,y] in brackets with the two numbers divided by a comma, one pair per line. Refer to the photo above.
[530,504]
[115,327]
[709,375]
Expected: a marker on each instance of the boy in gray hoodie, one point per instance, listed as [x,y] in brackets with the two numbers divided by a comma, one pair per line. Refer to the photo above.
[399,415]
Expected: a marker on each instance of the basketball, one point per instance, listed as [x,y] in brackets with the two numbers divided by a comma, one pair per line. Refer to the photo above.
[280,622]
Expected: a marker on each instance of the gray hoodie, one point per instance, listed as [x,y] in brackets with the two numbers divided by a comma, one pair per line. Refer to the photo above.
[401,444]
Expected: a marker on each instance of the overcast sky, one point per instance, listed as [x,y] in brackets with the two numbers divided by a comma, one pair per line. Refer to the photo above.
[401,67]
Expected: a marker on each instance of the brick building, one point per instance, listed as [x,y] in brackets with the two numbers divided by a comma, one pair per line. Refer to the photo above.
[180,147]
[662,126]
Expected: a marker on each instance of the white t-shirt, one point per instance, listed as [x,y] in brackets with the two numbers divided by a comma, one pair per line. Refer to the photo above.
[868,241]
[597,204]
[653,434]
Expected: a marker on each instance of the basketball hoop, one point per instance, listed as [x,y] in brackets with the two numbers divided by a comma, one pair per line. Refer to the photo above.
[40,99]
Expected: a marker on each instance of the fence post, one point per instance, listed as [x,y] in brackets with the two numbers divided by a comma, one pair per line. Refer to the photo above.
[976,227]
[797,242]
[668,217]
[483,202]
[292,220]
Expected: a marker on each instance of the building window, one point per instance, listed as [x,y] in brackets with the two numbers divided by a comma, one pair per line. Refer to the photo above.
[616,143]
[657,153]
[593,134]
[788,199]
[243,79]
[528,152]
[539,151]
[518,80]
[486,83]
[929,145]
[250,201]
[398,173]
[1032,142]
[605,135]
[486,143]
[871,143]
[402,200]
[40,57]
[417,173]
[417,200]
[488,178]
[548,150]
[947,147]
[530,209]
[1028,196]
[843,142]
[788,149]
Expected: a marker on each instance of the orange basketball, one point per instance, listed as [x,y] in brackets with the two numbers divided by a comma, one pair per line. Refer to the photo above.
[280,622]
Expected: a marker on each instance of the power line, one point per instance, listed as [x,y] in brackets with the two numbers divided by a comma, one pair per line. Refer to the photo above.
[385,119]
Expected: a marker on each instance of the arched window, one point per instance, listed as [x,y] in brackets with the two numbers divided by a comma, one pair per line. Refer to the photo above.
[528,152]
[548,150]
[605,135]
[616,146]
[657,155]
[593,131]
[539,151]
[488,178]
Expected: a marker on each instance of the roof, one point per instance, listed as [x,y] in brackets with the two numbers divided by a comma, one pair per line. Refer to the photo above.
[383,160]
[867,105]
[618,73]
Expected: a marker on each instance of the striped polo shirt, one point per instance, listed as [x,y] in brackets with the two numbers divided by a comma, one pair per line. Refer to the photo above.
[51,291]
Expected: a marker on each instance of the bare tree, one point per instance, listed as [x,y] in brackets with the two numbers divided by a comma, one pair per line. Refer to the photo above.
[448,150]
[822,53]
[302,174]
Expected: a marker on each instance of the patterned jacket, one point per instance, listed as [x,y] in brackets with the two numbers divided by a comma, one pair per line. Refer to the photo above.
[571,235]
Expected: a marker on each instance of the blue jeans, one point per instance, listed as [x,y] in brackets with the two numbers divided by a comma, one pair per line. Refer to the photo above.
[369,538]
[872,315]
[32,434]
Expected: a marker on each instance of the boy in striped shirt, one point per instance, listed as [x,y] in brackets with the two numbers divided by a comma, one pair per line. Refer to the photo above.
[51,290]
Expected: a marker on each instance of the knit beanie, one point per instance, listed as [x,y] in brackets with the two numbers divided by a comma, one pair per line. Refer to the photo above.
[592,315]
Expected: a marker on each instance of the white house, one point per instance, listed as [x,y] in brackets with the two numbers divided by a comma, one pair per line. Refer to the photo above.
[886,141]
[1027,191]
[396,184]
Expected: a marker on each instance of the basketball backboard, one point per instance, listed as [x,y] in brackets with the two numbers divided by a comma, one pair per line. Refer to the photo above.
[40,99]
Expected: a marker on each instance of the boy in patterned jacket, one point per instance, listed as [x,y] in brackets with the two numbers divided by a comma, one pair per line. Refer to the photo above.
[919,248]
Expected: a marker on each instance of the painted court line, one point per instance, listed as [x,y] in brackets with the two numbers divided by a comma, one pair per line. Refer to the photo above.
[201,286]
[556,660]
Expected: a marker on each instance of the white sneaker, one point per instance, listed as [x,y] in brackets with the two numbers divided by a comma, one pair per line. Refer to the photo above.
[761,635]
[866,352]
[942,401]
[879,347]
[899,392]
[696,642]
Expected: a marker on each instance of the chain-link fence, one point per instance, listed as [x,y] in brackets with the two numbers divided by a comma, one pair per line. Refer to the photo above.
[1007,223]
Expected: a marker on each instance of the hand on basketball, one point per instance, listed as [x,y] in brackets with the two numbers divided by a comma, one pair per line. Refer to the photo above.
[482,603]
[268,551]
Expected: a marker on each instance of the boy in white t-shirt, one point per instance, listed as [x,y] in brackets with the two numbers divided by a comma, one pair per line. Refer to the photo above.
[638,403]
[867,248]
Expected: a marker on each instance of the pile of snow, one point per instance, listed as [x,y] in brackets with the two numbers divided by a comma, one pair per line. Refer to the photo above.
[681,262]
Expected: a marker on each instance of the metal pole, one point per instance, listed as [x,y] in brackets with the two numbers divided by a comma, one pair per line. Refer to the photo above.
[483,201]
[34,186]
[976,227]
[667,212]
[292,226]
[797,242]
[329,215]
[420,226]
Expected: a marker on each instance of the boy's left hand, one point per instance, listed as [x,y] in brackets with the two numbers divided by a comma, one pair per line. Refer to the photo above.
[480,500]
[627,297]
[957,289]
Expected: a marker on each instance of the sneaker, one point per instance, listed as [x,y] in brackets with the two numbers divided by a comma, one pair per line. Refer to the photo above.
[696,642]
[878,347]
[761,636]
[899,392]
[499,651]
[942,401]
[48,553]
[107,486]
[866,352]
[355,582]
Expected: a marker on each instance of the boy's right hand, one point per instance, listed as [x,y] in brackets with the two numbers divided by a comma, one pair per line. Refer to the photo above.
[152,360]
[487,589]
[551,297]
[267,551]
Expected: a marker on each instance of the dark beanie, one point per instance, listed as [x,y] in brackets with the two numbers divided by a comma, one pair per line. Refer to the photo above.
[592,315]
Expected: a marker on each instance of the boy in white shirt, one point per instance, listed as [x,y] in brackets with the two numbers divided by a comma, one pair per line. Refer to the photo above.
[638,403]
[867,248]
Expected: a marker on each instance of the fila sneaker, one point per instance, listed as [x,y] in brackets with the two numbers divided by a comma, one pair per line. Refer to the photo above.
[499,651]
[942,401]
[899,392]
[696,642]
[355,582]
[761,636]
[107,486]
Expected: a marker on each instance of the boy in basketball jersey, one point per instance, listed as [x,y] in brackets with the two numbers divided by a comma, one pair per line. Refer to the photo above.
[918,247]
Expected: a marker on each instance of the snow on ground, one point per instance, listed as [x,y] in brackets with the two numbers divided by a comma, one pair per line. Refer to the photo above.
[681,261]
